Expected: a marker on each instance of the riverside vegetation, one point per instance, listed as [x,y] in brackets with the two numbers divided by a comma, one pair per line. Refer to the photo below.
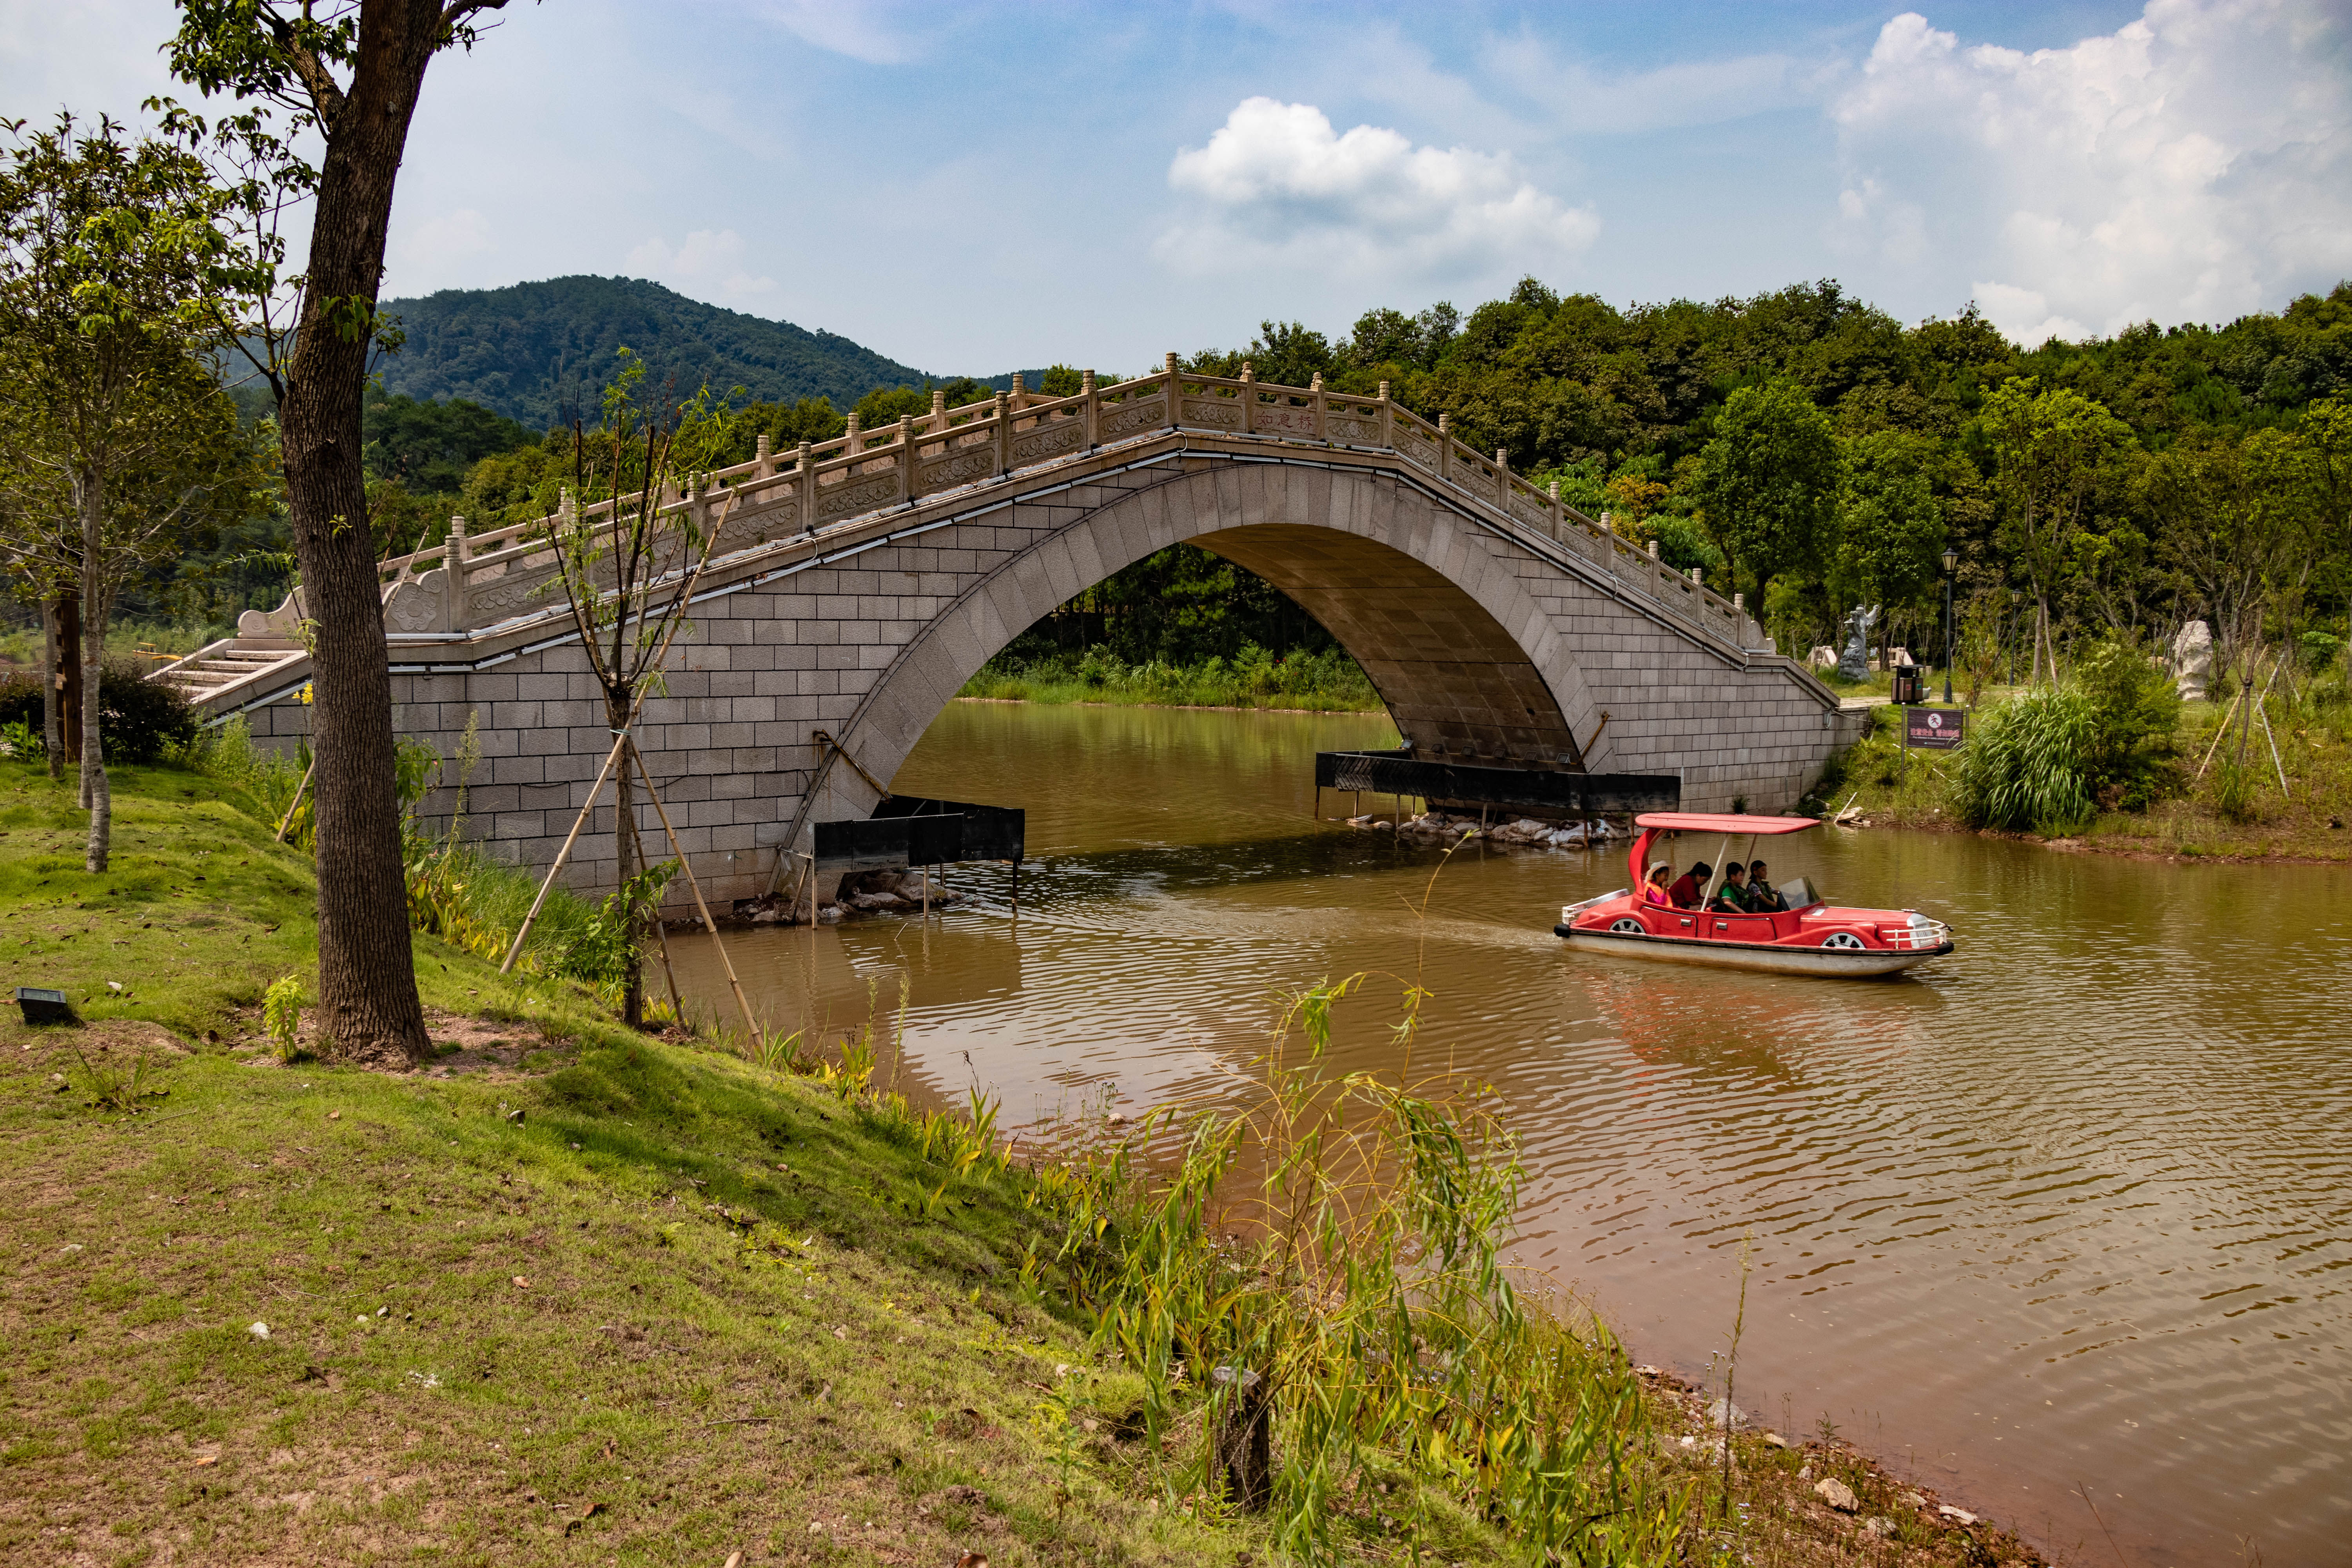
[574,1288]
[2112,759]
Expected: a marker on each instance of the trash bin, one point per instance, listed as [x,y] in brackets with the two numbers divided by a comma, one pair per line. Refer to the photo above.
[1907,685]
[42,1006]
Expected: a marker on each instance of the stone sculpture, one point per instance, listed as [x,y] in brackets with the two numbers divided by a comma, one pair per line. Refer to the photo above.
[1855,663]
[2192,662]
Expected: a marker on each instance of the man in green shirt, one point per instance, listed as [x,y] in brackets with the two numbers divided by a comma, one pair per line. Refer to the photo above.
[1731,898]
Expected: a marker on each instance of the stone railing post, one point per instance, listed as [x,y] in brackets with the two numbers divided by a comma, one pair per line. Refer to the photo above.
[1653,550]
[852,437]
[454,554]
[907,457]
[1446,446]
[1387,419]
[763,461]
[1091,410]
[1175,394]
[1249,396]
[1020,394]
[938,423]
[1322,424]
[1005,432]
[1558,513]
[808,488]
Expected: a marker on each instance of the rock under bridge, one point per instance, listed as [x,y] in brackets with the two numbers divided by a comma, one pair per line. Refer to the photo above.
[858,582]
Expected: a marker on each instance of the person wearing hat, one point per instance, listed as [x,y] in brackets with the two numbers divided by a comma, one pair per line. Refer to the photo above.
[1690,887]
[1653,886]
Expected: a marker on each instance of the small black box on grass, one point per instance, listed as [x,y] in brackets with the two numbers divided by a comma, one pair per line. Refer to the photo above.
[44,1006]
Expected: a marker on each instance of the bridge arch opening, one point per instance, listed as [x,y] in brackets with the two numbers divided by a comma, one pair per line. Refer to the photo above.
[1411,589]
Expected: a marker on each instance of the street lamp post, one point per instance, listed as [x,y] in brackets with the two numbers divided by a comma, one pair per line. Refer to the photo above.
[1951,566]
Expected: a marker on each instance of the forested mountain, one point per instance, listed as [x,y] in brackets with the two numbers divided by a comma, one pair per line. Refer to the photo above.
[541,353]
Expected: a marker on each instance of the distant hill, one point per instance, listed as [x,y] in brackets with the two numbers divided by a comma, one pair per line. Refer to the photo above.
[541,353]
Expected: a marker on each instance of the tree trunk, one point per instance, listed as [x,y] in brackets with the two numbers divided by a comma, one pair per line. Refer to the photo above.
[367,983]
[1244,1442]
[53,741]
[90,492]
[68,678]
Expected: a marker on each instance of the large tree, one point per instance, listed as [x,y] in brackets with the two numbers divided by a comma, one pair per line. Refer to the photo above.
[345,75]
[2054,450]
[114,279]
[1890,529]
[1766,484]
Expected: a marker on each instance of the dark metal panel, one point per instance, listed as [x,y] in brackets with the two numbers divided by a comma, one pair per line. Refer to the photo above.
[1531,789]
[887,841]
[990,832]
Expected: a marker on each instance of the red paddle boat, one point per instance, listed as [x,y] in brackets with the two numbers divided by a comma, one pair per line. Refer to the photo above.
[1810,937]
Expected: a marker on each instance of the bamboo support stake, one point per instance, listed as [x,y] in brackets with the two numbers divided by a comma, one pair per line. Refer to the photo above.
[694,886]
[296,804]
[661,935]
[565,853]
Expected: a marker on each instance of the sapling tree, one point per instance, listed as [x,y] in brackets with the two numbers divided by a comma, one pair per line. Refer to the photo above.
[2054,449]
[627,577]
[115,277]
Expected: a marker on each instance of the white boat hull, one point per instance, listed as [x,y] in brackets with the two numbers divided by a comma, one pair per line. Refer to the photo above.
[1761,958]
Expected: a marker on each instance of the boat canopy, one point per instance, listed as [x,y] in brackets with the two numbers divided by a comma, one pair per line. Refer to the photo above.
[1722,822]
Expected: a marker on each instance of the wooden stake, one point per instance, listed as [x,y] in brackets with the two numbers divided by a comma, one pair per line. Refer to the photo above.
[565,853]
[751,1024]
[288,820]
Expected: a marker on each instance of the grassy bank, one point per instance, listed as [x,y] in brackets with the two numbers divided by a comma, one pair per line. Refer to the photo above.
[573,1293]
[1325,682]
[2163,806]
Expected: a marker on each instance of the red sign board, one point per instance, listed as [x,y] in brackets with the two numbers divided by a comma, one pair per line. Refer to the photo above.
[1934,729]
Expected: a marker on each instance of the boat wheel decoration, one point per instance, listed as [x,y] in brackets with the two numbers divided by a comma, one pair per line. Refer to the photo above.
[1841,939]
[1630,924]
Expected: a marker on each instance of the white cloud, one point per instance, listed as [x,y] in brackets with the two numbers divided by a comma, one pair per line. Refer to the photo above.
[1277,184]
[2194,165]
[1687,92]
[709,265]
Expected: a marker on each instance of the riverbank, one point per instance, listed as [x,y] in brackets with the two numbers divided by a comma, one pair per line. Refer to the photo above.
[1878,784]
[568,1290]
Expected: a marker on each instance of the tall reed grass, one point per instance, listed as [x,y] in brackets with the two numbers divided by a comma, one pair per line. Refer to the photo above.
[1315,1297]
[2029,764]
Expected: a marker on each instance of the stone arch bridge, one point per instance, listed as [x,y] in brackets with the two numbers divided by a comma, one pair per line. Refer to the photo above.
[856,584]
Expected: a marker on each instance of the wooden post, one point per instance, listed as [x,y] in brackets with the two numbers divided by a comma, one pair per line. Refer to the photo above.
[296,803]
[749,1024]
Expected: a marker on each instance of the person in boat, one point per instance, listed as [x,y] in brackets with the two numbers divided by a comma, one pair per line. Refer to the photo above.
[1731,898]
[1653,887]
[1690,887]
[1763,897]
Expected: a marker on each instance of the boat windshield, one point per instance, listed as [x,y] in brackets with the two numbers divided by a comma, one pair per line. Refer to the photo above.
[1798,893]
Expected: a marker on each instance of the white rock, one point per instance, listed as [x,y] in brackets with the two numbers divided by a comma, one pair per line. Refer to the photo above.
[259,1330]
[1723,1411]
[2192,660]
[1957,1515]
[1837,1494]
[1878,1525]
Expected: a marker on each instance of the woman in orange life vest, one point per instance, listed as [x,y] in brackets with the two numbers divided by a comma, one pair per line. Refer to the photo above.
[1654,888]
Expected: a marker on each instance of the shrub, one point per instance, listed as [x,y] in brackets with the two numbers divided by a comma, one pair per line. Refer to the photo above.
[139,719]
[2134,707]
[282,1015]
[2029,764]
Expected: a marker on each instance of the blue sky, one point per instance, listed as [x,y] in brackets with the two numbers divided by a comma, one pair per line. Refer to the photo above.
[970,186]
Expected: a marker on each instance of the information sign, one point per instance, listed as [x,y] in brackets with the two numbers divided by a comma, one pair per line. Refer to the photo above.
[1934,729]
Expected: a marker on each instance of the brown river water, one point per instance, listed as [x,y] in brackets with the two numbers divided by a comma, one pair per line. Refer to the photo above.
[2071,1209]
